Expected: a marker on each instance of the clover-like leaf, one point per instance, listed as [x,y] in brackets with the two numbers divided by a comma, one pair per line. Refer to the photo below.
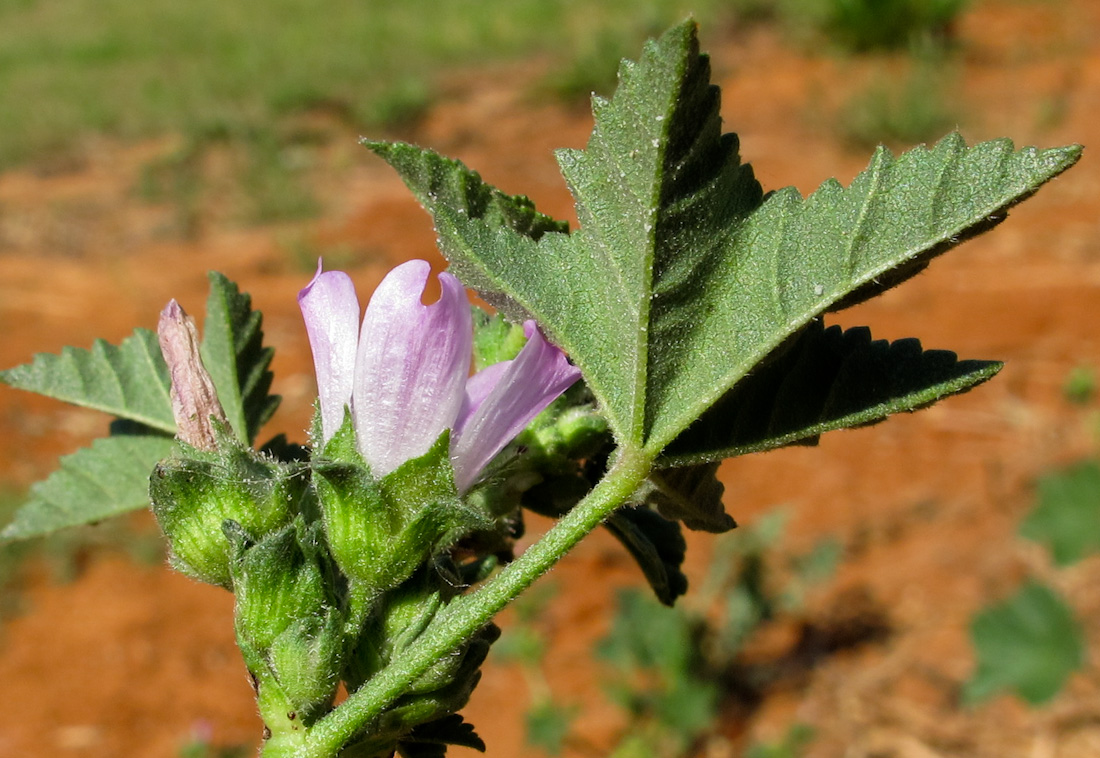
[1067,517]
[1029,643]
[683,275]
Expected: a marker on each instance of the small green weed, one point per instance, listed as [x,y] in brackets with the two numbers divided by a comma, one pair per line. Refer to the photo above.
[1080,386]
[675,668]
[547,721]
[859,26]
[1031,642]
[863,25]
[916,110]
[1066,519]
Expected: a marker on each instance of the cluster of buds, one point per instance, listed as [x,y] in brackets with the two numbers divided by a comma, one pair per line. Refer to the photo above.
[342,561]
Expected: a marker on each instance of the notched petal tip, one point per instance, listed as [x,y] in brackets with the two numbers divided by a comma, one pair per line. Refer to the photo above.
[195,404]
[304,291]
[412,365]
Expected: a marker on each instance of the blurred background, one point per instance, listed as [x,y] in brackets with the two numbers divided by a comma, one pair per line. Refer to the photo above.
[143,144]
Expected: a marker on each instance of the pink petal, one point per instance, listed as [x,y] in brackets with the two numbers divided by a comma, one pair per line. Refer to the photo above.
[412,366]
[478,388]
[194,399]
[331,312]
[531,382]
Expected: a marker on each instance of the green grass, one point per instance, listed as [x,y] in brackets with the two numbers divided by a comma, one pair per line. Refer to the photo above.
[916,109]
[137,69]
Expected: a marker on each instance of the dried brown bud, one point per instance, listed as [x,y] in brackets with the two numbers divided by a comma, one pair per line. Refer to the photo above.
[194,399]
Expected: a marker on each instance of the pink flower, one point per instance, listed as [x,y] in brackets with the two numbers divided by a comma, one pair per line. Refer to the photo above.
[405,373]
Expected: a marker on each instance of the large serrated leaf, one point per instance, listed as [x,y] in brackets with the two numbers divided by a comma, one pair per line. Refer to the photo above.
[825,379]
[109,478]
[129,381]
[683,276]
[234,354]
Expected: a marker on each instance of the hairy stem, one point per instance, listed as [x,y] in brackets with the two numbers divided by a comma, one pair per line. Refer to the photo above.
[465,615]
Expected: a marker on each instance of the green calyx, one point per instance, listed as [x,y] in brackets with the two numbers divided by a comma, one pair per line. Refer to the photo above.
[289,624]
[381,530]
[195,492]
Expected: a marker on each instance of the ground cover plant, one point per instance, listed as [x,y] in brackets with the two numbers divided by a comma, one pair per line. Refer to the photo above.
[1030,642]
[674,671]
[690,301]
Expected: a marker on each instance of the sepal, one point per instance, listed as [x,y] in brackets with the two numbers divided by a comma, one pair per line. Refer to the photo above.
[396,623]
[495,339]
[289,627]
[380,530]
[194,492]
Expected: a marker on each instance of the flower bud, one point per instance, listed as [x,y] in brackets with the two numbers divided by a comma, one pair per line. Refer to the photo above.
[195,402]
[193,495]
[288,625]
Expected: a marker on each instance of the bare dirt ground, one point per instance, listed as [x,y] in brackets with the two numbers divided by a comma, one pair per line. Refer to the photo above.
[130,660]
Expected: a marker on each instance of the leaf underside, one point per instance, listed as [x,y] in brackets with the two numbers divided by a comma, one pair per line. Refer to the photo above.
[823,379]
[129,381]
[109,478]
[683,275]
[658,546]
[234,354]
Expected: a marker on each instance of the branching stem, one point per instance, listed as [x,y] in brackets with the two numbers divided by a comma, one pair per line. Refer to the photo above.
[467,614]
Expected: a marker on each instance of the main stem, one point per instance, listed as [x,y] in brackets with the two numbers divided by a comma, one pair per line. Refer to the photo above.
[466,614]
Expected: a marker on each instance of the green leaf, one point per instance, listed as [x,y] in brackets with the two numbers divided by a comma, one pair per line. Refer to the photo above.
[683,275]
[657,544]
[233,351]
[129,381]
[548,724]
[1067,518]
[824,379]
[1030,644]
[691,494]
[106,479]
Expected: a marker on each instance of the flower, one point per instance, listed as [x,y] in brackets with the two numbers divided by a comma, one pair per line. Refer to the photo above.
[405,373]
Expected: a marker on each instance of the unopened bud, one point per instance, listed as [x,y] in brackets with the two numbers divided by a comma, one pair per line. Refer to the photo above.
[194,496]
[288,626]
[397,622]
[194,398]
